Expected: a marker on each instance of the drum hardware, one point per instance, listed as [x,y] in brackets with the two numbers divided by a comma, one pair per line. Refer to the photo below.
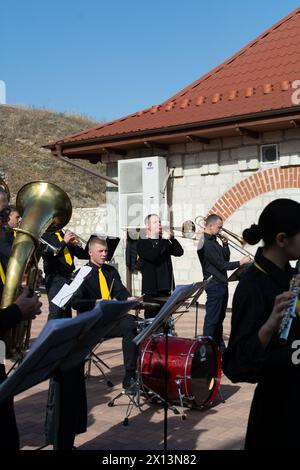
[137,390]
[181,396]
[95,359]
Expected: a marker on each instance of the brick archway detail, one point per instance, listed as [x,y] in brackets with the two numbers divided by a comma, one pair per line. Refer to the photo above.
[254,185]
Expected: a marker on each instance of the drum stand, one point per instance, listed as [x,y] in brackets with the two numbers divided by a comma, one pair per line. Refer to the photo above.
[136,390]
[94,358]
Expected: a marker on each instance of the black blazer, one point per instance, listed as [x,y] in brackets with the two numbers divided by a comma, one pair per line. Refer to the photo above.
[6,241]
[89,291]
[56,264]
[9,318]
[156,265]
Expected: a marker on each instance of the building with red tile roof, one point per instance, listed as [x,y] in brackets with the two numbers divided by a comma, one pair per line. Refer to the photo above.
[250,92]
[230,142]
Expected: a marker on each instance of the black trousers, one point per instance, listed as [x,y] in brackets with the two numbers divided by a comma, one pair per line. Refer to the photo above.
[66,413]
[216,305]
[9,436]
[126,329]
[66,408]
[151,312]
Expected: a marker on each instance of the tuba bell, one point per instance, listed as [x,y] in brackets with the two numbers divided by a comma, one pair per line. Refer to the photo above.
[44,207]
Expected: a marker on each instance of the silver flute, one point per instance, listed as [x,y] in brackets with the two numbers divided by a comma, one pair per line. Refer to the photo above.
[290,312]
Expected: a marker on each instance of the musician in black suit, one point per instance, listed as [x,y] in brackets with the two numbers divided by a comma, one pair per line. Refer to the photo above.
[155,253]
[215,262]
[104,282]
[3,199]
[24,308]
[10,220]
[62,420]
[58,268]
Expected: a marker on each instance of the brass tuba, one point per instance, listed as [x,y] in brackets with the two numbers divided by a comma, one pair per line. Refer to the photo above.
[43,206]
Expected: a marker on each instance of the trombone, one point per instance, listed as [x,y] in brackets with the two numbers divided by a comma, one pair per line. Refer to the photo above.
[200,221]
[187,231]
[188,228]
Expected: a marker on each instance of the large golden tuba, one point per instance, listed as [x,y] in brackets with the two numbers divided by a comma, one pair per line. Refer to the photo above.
[44,207]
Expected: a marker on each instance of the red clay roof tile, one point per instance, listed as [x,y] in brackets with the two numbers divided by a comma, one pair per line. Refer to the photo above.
[257,78]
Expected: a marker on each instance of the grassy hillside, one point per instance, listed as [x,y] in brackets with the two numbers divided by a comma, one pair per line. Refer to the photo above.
[22,133]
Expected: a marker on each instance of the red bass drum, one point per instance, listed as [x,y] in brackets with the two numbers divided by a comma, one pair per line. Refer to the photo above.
[194,369]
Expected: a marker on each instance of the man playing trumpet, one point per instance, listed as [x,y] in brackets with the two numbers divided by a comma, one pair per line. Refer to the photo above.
[155,253]
[59,266]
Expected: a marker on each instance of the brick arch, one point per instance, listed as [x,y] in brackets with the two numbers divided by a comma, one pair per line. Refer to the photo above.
[253,186]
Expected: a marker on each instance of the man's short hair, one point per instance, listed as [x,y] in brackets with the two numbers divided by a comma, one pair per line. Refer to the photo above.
[94,240]
[148,217]
[212,218]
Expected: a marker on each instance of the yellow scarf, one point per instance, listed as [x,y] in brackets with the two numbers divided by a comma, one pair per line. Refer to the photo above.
[2,274]
[67,254]
[105,294]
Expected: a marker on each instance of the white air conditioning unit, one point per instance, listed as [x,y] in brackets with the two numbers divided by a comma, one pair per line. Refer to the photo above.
[142,190]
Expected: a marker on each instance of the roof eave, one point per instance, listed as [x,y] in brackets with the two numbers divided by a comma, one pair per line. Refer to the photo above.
[137,136]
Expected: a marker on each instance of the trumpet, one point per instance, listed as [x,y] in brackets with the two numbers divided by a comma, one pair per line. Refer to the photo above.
[78,241]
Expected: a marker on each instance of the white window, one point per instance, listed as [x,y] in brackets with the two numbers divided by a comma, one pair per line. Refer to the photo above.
[269,154]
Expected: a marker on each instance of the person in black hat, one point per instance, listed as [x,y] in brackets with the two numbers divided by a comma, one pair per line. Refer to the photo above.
[255,353]
[104,282]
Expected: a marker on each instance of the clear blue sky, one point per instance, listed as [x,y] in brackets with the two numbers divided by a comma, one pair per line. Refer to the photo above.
[109,58]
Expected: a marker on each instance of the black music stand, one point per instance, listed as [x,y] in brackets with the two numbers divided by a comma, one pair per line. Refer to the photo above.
[194,300]
[62,345]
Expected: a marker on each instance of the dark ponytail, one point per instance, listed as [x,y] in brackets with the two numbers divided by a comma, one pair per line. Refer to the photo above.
[281,215]
[252,235]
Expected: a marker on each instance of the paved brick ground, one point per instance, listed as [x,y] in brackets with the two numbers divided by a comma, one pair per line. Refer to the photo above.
[222,426]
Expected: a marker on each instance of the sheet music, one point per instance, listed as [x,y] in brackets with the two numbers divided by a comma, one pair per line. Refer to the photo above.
[66,292]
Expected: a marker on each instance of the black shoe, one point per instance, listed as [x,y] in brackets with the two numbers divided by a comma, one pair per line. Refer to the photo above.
[129,379]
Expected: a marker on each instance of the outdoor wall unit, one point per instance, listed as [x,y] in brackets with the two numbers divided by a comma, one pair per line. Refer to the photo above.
[142,190]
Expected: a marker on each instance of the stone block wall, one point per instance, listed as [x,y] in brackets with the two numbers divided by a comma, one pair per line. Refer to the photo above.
[225,176]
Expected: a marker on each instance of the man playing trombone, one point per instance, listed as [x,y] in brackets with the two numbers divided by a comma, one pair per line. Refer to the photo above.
[214,259]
